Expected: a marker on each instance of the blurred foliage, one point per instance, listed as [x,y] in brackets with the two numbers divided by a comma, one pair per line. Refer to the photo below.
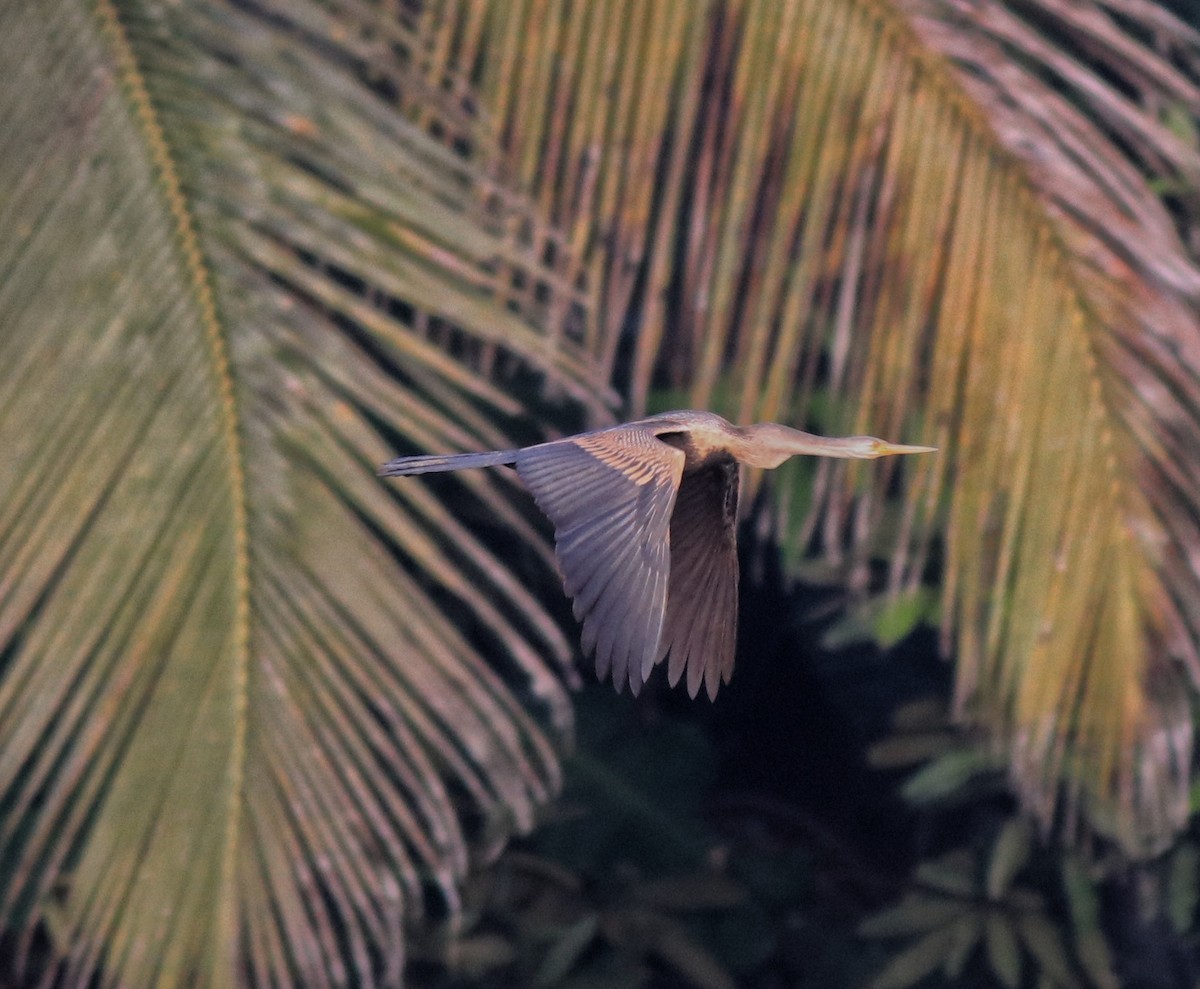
[1008,907]
[967,919]
[670,863]
[630,882]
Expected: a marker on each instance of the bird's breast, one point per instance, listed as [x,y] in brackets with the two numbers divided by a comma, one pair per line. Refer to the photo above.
[699,449]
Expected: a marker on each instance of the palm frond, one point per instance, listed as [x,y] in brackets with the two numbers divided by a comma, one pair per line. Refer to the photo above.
[250,717]
[933,222]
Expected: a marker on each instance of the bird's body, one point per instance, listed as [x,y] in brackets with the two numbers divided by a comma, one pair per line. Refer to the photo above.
[645,522]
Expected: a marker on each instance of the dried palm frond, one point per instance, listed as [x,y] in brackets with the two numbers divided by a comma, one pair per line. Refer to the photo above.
[930,221]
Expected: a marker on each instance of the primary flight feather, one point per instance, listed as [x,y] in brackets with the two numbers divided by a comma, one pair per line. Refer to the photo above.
[645,526]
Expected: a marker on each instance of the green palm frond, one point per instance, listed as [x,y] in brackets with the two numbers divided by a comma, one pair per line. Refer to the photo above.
[932,222]
[248,722]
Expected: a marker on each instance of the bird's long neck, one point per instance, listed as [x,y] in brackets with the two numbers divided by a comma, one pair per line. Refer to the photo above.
[768,444]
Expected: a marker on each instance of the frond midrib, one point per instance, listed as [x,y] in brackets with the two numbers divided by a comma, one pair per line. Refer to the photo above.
[201,282]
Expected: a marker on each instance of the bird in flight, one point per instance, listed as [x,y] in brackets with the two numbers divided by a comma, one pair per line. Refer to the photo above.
[645,524]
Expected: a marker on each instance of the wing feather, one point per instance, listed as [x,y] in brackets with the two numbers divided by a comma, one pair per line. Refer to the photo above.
[700,632]
[633,625]
[613,567]
[610,496]
[595,558]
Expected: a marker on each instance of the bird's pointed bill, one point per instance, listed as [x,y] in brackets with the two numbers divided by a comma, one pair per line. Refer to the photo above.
[886,449]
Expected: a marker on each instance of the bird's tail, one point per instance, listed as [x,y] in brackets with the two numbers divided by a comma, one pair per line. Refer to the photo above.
[446,461]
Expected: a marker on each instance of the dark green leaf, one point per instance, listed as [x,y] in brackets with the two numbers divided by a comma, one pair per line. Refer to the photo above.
[1044,942]
[1010,853]
[1183,886]
[914,963]
[946,775]
[968,929]
[1004,955]
[916,912]
[566,950]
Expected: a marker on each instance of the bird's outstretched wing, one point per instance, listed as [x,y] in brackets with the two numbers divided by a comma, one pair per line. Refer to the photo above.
[702,602]
[609,495]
